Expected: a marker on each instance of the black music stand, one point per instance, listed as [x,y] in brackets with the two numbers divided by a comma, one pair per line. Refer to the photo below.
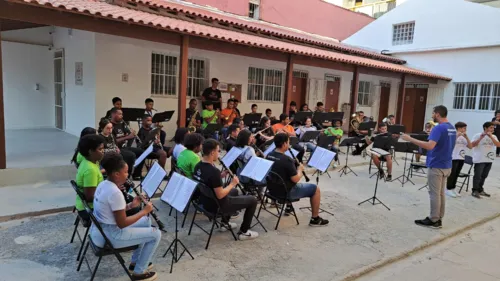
[405,147]
[179,200]
[396,129]
[325,160]
[210,129]
[321,117]
[164,116]
[348,142]
[326,142]
[293,141]
[133,114]
[381,142]
[252,120]
[301,116]
[374,197]
[309,136]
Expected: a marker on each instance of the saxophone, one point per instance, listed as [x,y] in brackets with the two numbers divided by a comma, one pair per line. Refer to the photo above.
[191,126]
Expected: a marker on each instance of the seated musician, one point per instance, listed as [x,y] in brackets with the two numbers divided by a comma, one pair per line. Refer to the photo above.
[240,123]
[179,137]
[389,120]
[265,132]
[427,131]
[382,132]
[233,132]
[149,103]
[337,132]
[105,130]
[89,175]
[188,158]
[359,118]
[285,167]
[229,200]
[227,116]
[284,127]
[122,133]
[301,130]
[253,109]
[320,107]
[304,107]
[122,230]
[293,110]
[269,114]
[210,116]
[146,137]
[78,157]
[192,112]
[117,103]
[236,102]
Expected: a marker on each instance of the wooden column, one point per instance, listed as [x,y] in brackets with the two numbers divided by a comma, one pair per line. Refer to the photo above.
[288,84]
[401,100]
[3,154]
[183,79]
[355,89]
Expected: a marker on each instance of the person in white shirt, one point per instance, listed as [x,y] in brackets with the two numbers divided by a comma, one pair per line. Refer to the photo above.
[301,130]
[180,133]
[462,147]
[123,231]
[483,154]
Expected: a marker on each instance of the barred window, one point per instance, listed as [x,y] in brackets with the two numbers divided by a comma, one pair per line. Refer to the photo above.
[484,97]
[495,97]
[163,75]
[470,96]
[364,93]
[458,100]
[265,84]
[403,33]
[197,78]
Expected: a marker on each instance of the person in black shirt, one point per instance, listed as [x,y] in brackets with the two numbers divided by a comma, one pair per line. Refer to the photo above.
[236,102]
[146,137]
[229,200]
[320,107]
[383,141]
[285,167]
[149,110]
[190,111]
[213,94]
[233,132]
[117,103]
[496,121]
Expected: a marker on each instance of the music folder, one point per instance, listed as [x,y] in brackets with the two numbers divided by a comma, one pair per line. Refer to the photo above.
[257,168]
[164,116]
[272,147]
[153,179]
[321,159]
[143,156]
[231,156]
[178,191]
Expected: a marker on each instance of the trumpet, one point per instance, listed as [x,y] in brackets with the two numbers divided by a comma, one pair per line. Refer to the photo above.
[161,226]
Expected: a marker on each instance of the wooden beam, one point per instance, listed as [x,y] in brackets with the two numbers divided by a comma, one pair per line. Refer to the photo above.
[3,153]
[288,83]
[401,100]
[355,89]
[183,79]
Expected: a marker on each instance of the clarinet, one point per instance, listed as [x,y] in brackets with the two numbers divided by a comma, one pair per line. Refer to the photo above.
[230,172]
[298,163]
[161,226]
[137,139]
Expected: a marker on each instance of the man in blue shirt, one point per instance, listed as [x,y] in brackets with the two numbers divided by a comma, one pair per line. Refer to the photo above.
[440,147]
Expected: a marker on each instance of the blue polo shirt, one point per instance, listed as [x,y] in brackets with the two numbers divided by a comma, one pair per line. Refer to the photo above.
[445,136]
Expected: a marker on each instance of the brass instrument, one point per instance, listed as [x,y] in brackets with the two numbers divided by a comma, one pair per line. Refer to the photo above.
[355,122]
[191,126]
[432,123]
[332,109]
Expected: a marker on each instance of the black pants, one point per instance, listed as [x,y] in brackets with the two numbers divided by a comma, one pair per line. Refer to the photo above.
[137,152]
[481,171]
[237,202]
[455,171]
[301,151]
[129,158]
[163,137]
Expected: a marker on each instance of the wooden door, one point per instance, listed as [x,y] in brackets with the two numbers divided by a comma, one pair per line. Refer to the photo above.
[408,105]
[332,95]
[419,110]
[299,88]
[383,110]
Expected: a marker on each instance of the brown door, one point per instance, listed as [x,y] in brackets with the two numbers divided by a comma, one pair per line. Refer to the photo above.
[414,109]
[383,111]
[332,95]
[299,88]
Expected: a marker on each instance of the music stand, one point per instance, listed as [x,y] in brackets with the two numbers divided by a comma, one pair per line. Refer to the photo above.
[132,114]
[396,129]
[164,116]
[273,122]
[374,197]
[301,116]
[380,144]
[325,142]
[178,194]
[321,160]
[321,117]
[210,129]
[348,142]
[294,141]
[252,120]
[309,136]
[335,116]
[406,148]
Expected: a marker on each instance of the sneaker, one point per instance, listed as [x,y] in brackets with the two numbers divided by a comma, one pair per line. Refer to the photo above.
[247,235]
[476,194]
[335,165]
[318,221]
[131,267]
[456,193]
[388,178]
[235,215]
[428,223]
[288,210]
[482,193]
[148,276]
[226,226]
[381,174]
[450,193]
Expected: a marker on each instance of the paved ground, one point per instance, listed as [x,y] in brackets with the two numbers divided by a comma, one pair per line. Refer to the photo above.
[358,237]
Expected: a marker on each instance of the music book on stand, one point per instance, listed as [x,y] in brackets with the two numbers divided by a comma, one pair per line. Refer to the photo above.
[379,152]
[178,191]
[257,168]
[132,114]
[231,156]
[164,116]
[143,156]
[252,119]
[153,179]
[321,159]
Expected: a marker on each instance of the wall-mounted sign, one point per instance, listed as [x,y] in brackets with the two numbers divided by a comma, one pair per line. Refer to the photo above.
[79,73]
[223,86]
[124,77]
[331,92]
[294,88]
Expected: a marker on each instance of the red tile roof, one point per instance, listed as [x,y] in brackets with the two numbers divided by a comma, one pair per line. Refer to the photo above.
[105,10]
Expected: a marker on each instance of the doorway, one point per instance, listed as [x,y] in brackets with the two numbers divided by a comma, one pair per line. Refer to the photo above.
[59,93]
[385,93]
[414,109]
[299,88]
[332,94]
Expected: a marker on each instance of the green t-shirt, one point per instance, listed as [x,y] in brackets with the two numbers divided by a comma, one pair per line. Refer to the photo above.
[186,161]
[88,175]
[79,158]
[207,114]
[331,131]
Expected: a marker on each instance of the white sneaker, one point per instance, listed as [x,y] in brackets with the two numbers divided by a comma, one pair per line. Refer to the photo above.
[456,193]
[335,165]
[225,226]
[451,193]
[248,235]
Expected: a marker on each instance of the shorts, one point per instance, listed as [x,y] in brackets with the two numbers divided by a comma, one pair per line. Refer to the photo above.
[302,190]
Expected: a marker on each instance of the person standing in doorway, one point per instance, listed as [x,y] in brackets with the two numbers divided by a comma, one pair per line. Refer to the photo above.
[496,121]
[483,154]
[440,147]
[213,94]
[462,146]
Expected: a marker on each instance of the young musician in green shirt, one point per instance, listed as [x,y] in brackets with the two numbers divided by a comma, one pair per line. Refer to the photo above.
[188,158]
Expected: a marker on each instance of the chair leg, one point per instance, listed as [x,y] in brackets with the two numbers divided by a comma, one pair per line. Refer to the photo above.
[192,222]
[467,188]
[210,235]
[295,214]
[170,213]
[83,256]
[83,243]
[77,221]
[283,206]
[260,208]
[122,263]
[96,267]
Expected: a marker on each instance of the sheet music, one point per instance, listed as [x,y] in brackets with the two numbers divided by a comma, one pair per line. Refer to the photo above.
[143,156]
[295,153]
[272,147]
[256,168]
[231,156]
[153,179]
[178,191]
[380,151]
[321,159]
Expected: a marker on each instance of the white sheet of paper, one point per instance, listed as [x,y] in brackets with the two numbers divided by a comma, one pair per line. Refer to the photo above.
[269,149]
[143,155]
[178,191]
[380,151]
[321,159]
[153,179]
[231,156]
[256,168]
[295,153]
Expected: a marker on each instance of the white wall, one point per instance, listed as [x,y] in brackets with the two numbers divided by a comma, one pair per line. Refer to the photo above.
[24,66]
[80,100]
[39,35]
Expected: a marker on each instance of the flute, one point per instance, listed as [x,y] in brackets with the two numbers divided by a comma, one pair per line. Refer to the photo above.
[298,163]
[161,226]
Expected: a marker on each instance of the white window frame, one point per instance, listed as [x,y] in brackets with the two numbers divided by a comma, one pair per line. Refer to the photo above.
[403,33]
[172,78]
[263,85]
[197,84]
[363,95]
[256,9]
[476,96]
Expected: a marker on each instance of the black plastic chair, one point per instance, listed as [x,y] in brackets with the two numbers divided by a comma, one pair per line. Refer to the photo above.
[251,187]
[85,221]
[278,192]
[466,177]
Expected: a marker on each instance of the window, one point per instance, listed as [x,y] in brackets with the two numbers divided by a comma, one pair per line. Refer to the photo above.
[197,78]
[253,11]
[470,96]
[403,33]
[265,84]
[364,92]
[458,100]
[485,95]
[163,75]
[495,97]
